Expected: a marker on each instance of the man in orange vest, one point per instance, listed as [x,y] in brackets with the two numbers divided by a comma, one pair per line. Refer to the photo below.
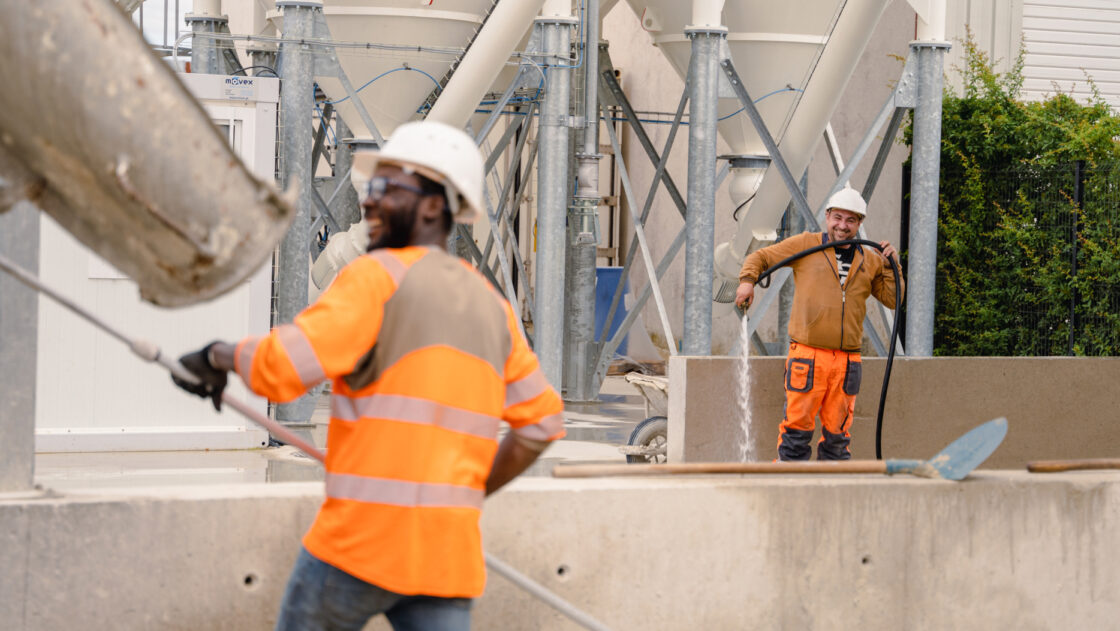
[823,368]
[426,359]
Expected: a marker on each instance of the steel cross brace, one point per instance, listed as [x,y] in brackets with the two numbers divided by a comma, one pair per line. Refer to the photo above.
[328,65]
[607,349]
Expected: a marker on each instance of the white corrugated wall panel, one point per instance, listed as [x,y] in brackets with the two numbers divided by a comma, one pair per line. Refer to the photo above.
[1068,42]
[995,26]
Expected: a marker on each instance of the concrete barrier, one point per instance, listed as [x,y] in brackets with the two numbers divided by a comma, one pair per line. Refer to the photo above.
[1056,407]
[1001,550]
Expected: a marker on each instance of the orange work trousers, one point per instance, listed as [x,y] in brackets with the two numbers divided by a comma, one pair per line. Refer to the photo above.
[819,381]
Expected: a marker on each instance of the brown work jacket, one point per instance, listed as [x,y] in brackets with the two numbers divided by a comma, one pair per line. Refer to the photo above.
[825,314]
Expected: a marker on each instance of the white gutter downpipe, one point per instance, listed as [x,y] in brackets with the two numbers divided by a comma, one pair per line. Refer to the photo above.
[707,14]
[483,61]
[931,19]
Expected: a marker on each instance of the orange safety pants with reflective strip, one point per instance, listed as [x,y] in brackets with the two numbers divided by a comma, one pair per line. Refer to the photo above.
[818,381]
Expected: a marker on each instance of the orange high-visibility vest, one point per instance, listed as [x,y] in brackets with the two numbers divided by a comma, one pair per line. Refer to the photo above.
[426,360]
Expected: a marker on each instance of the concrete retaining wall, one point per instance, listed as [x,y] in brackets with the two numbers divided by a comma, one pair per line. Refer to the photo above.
[1056,407]
[1002,550]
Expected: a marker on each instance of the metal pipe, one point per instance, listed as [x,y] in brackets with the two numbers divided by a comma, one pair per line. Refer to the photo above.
[924,191]
[297,101]
[19,330]
[585,218]
[206,17]
[700,228]
[484,60]
[552,200]
[549,598]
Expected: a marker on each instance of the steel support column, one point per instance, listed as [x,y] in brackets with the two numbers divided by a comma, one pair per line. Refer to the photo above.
[552,200]
[297,101]
[583,237]
[924,193]
[700,227]
[206,19]
[19,333]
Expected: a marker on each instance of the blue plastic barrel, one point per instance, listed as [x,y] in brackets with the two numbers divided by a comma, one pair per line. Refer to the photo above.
[606,282]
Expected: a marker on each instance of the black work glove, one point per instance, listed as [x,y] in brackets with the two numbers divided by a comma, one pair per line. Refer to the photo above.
[211,381]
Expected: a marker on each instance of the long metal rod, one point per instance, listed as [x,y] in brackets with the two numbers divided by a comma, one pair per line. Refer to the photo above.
[640,232]
[149,352]
[541,592]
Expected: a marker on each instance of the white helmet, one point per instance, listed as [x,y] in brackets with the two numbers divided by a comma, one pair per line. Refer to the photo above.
[436,151]
[848,199]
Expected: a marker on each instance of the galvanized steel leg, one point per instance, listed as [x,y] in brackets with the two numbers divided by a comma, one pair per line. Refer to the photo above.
[584,220]
[19,333]
[297,101]
[700,229]
[552,205]
[924,193]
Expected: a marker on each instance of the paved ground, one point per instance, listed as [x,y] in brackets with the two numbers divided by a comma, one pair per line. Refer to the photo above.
[595,431]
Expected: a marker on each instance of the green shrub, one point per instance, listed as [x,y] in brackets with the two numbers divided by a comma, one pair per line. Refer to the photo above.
[1010,229]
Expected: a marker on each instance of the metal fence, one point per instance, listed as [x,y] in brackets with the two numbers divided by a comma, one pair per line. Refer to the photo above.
[1052,242]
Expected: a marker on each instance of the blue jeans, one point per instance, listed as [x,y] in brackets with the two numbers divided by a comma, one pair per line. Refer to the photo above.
[320,596]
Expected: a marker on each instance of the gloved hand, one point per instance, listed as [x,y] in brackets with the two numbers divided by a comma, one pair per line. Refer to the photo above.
[211,381]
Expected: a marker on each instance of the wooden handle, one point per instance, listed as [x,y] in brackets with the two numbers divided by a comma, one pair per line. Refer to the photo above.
[1054,466]
[613,470]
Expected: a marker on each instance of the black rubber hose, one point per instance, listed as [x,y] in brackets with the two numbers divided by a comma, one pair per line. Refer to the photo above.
[894,327]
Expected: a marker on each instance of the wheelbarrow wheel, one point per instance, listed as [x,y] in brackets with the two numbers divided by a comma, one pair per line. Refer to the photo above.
[651,433]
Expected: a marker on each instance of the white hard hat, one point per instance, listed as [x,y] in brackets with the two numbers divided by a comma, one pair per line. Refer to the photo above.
[437,151]
[848,198]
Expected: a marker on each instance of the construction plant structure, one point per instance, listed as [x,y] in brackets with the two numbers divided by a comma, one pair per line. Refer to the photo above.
[203,188]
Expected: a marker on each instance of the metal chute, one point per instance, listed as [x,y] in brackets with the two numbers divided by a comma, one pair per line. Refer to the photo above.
[99,132]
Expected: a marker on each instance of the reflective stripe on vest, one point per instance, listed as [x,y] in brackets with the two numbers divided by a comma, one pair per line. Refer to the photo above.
[402,493]
[245,358]
[545,429]
[526,389]
[301,354]
[392,265]
[414,410]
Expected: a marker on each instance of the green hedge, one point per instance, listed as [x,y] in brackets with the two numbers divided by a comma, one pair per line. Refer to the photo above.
[1028,260]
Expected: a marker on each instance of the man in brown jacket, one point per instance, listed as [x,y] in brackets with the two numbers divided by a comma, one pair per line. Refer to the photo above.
[826,326]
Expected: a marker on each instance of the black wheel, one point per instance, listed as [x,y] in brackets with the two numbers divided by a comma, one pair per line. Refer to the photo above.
[652,433]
